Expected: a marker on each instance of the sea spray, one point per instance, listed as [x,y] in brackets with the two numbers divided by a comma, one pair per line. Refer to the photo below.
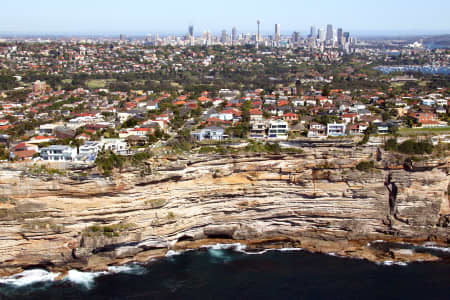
[29,277]
[84,279]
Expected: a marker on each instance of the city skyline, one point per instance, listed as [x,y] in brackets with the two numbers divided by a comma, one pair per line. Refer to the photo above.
[140,17]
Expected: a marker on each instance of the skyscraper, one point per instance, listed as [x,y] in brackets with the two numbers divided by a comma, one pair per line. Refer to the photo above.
[258,22]
[277,32]
[191,30]
[346,37]
[313,32]
[329,36]
[224,37]
[340,37]
[322,34]
[295,37]
[233,35]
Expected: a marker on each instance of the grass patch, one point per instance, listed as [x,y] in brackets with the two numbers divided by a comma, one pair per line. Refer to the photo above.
[96,83]
[423,131]
[156,203]
[44,170]
[108,230]
[170,215]
[5,199]
[365,166]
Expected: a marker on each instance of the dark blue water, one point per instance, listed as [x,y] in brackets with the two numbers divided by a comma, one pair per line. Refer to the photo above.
[443,70]
[226,274]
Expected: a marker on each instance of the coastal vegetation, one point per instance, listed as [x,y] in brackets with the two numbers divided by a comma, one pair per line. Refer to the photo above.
[113,230]
[409,146]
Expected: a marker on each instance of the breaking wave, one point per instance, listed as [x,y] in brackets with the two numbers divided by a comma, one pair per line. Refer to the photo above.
[29,277]
[392,263]
[434,247]
[133,269]
[84,279]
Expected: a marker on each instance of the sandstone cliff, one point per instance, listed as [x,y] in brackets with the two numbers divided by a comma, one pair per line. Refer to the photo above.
[316,200]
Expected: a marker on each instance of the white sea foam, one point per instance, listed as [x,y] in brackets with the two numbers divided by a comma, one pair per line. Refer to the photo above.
[256,252]
[392,263]
[289,249]
[29,277]
[243,249]
[439,248]
[134,269]
[173,253]
[85,279]
[235,246]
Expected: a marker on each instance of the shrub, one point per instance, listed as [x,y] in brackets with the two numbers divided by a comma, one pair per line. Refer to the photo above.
[292,150]
[365,166]
[413,147]
[108,230]
[391,145]
[272,148]
[107,161]
[364,140]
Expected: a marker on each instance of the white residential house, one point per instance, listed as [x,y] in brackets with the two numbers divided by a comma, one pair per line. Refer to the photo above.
[91,147]
[428,102]
[152,105]
[222,116]
[298,102]
[317,130]
[89,150]
[117,146]
[311,102]
[48,129]
[270,101]
[257,129]
[278,129]
[58,153]
[441,102]
[215,133]
[335,129]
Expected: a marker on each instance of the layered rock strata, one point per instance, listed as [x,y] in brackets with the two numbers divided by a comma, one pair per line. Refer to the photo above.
[316,200]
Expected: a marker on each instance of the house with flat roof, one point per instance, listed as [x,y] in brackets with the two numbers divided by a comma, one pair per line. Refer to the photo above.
[278,129]
[58,153]
[335,129]
[215,133]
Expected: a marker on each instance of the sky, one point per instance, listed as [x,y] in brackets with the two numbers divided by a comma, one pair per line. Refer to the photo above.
[174,16]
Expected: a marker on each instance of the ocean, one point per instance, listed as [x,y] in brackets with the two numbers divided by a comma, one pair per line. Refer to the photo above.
[227,272]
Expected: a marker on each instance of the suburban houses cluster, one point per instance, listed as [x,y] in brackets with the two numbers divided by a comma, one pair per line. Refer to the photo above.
[69,100]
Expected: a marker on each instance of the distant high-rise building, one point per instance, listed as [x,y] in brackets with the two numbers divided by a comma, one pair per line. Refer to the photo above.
[234,35]
[122,37]
[191,30]
[329,36]
[322,34]
[258,22]
[295,37]
[224,37]
[346,37]
[340,37]
[313,32]
[277,32]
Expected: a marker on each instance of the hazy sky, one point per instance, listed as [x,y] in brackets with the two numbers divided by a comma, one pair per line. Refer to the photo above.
[139,16]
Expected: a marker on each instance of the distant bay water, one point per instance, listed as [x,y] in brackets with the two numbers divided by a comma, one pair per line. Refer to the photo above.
[443,70]
[226,273]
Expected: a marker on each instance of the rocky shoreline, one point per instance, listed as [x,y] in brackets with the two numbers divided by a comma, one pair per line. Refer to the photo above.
[317,201]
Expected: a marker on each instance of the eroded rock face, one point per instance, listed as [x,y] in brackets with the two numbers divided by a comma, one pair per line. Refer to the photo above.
[316,199]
